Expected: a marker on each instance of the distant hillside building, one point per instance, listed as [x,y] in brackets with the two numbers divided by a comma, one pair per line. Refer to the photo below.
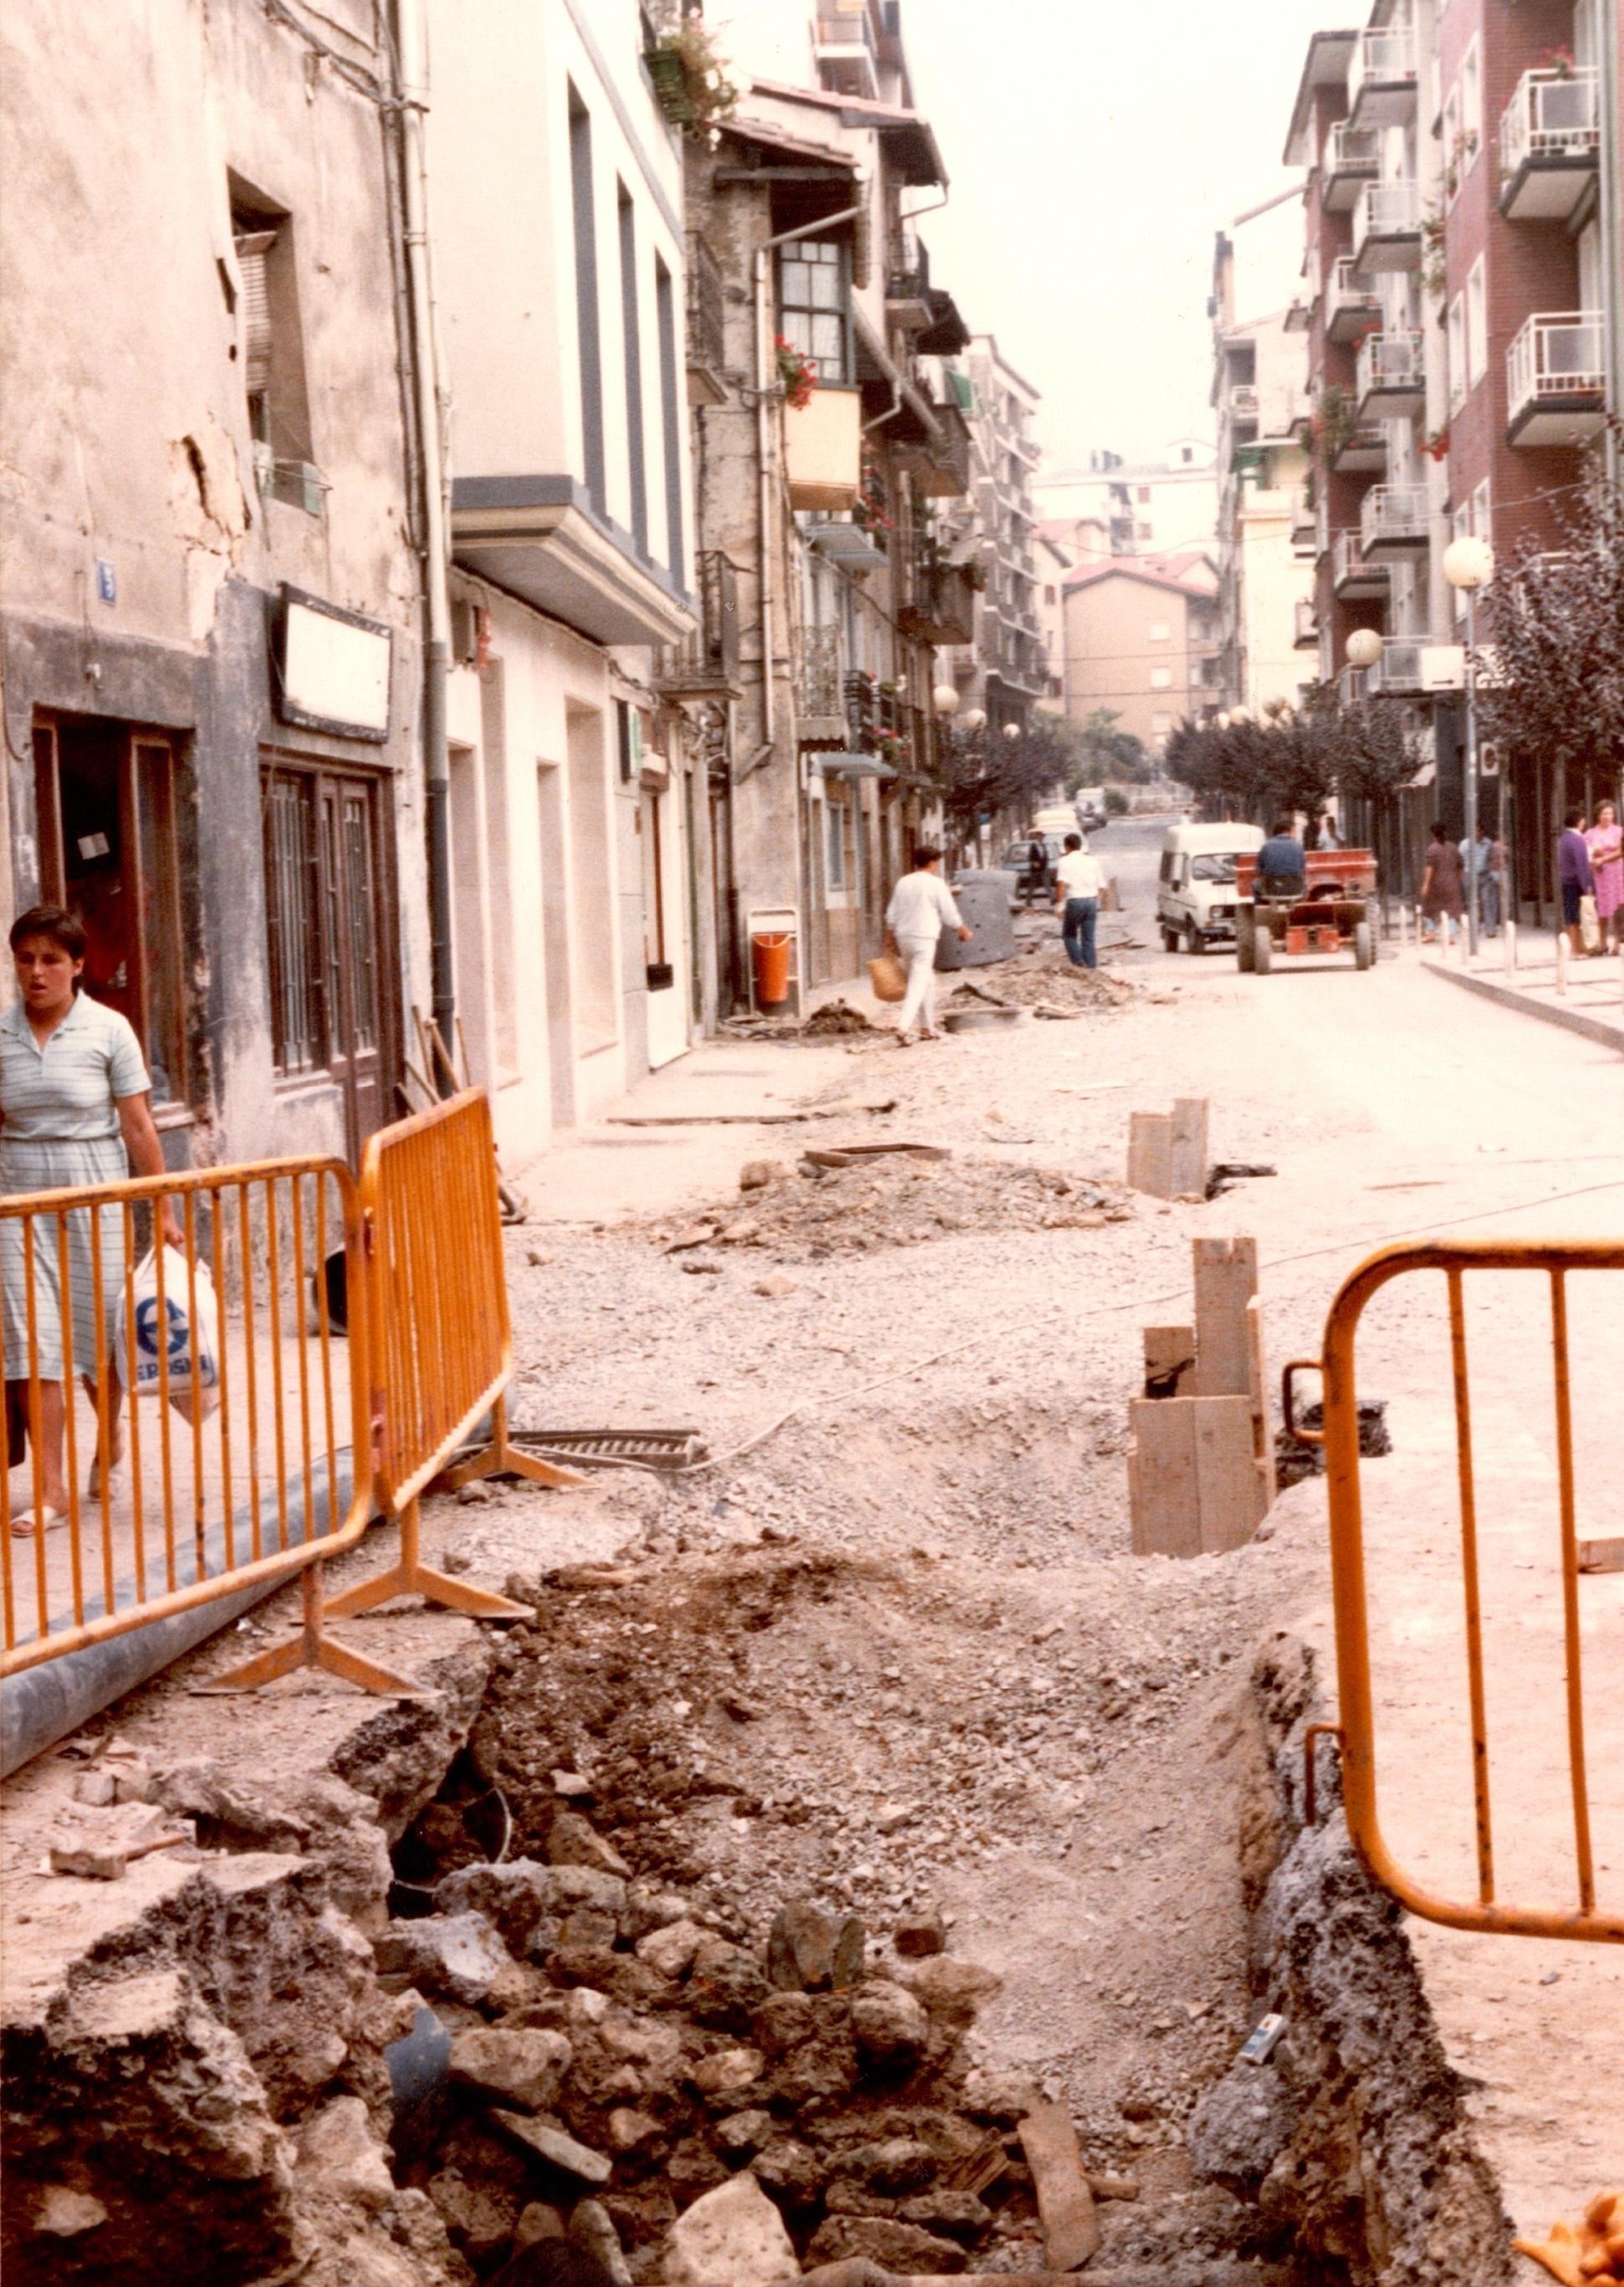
[1141,642]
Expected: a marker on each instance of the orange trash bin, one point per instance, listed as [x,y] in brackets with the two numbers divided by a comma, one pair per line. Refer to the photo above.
[771,957]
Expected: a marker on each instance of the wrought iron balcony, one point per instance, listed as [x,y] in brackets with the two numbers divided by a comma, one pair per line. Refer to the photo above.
[820,693]
[1392,376]
[1395,522]
[1550,145]
[1352,157]
[1387,228]
[908,302]
[1382,77]
[705,666]
[1351,307]
[1556,379]
[1352,580]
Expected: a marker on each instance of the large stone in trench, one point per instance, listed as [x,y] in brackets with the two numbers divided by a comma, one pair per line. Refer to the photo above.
[890,2026]
[141,2101]
[514,1896]
[733,2236]
[810,1951]
[901,2247]
[572,1841]
[554,2146]
[459,1955]
[1241,2127]
[520,2066]
[340,2157]
[952,1989]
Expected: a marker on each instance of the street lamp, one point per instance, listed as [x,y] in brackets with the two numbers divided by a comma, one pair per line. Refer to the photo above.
[1364,647]
[1012,731]
[1469,566]
[976,719]
[944,698]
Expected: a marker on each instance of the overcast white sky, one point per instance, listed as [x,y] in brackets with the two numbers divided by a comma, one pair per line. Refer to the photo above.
[1094,148]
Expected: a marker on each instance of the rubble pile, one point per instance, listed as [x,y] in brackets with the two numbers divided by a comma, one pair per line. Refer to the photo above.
[1043,974]
[836,1205]
[714,1948]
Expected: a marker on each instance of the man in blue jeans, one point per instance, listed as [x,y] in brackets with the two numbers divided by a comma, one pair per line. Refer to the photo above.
[1077,882]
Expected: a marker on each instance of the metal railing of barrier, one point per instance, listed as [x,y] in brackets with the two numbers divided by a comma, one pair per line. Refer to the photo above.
[442,1344]
[1355,1728]
[217,1366]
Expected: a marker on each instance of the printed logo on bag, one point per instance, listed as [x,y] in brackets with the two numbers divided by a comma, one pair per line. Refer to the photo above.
[146,1333]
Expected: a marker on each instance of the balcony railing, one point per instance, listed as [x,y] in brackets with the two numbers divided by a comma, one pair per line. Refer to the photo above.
[1349,305]
[1305,625]
[1392,367]
[820,679]
[1556,366]
[1408,667]
[1387,226]
[1351,576]
[706,311]
[708,664]
[1353,155]
[908,279]
[1381,76]
[844,41]
[1394,517]
[1554,117]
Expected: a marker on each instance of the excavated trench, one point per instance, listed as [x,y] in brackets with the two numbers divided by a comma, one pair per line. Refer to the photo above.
[758,1859]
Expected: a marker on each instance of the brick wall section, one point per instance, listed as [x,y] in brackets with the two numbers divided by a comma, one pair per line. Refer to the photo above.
[1528,266]
[1335,365]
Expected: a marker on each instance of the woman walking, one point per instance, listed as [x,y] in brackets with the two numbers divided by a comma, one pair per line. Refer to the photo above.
[1441,899]
[75,1108]
[1605,843]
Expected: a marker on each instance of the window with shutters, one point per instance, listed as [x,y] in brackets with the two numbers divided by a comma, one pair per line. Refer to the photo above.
[270,350]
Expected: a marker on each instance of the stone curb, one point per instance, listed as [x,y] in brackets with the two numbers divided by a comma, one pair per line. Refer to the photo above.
[1570,1020]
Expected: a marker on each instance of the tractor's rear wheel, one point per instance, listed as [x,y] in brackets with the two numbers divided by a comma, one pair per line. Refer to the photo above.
[1364,946]
[1262,951]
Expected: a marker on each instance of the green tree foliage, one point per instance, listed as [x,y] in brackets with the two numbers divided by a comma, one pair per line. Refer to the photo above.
[1104,752]
[1552,674]
[985,774]
[1296,758]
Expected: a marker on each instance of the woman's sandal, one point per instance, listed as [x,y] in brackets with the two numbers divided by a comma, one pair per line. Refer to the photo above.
[24,1527]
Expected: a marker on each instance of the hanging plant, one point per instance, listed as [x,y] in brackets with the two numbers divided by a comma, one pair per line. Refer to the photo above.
[1559,61]
[690,82]
[1436,446]
[975,575]
[797,376]
[1336,421]
[870,509]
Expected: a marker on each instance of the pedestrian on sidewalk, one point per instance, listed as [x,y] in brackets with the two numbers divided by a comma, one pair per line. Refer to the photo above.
[1328,837]
[1605,843]
[1495,908]
[1476,861]
[1442,904]
[75,1107]
[1037,867]
[922,905]
[1077,885]
[1575,876]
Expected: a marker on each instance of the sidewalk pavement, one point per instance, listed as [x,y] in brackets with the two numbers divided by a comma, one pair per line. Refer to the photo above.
[1589,999]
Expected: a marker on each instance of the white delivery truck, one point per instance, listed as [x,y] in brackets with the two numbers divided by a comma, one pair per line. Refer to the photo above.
[1195,892]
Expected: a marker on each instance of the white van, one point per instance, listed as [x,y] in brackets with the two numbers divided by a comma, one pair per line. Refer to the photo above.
[1196,892]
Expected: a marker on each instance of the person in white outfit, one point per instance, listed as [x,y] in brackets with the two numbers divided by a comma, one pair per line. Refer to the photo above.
[922,905]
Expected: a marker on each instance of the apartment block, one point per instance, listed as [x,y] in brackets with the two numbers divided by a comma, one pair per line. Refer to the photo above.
[828,399]
[1266,633]
[1148,507]
[1462,310]
[1141,642]
[1005,672]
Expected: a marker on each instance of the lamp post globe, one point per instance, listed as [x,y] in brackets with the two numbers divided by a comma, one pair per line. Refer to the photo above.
[1222,721]
[944,698]
[1469,562]
[976,719]
[1012,731]
[1240,714]
[1364,647]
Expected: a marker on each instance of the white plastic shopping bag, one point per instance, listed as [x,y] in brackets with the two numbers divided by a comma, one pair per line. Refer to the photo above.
[191,1344]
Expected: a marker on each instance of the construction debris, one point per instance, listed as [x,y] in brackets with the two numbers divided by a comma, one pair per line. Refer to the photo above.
[851,1201]
[1201,1466]
[1071,2228]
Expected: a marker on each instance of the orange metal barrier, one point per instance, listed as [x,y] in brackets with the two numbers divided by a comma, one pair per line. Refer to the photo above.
[231,1473]
[443,1347]
[1356,1727]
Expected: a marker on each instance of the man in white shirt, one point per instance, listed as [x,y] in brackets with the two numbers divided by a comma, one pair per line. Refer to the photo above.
[1077,882]
[922,905]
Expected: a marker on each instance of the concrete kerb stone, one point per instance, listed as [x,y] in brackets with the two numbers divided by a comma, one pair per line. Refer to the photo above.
[1509,996]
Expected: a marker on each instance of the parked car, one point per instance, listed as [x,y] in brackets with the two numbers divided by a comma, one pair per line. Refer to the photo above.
[1196,892]
[1017,859]
[1091,812]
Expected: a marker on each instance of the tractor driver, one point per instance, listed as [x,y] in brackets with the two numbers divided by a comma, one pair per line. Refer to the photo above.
[1282,870]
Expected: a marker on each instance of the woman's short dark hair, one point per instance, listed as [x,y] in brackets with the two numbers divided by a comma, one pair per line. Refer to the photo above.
[53,921]
[925,853]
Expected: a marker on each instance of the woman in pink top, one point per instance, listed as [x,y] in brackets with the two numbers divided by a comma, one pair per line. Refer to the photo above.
[1606,842]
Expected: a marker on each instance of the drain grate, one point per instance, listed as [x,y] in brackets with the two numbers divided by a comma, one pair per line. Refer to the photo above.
[605,1449]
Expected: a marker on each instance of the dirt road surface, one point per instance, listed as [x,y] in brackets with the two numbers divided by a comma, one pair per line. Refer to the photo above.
[894,1625]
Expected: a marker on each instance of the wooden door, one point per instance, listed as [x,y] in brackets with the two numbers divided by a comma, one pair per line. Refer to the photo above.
[352,934]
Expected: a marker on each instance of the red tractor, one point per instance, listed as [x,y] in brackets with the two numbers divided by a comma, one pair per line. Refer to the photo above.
[1329,912]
